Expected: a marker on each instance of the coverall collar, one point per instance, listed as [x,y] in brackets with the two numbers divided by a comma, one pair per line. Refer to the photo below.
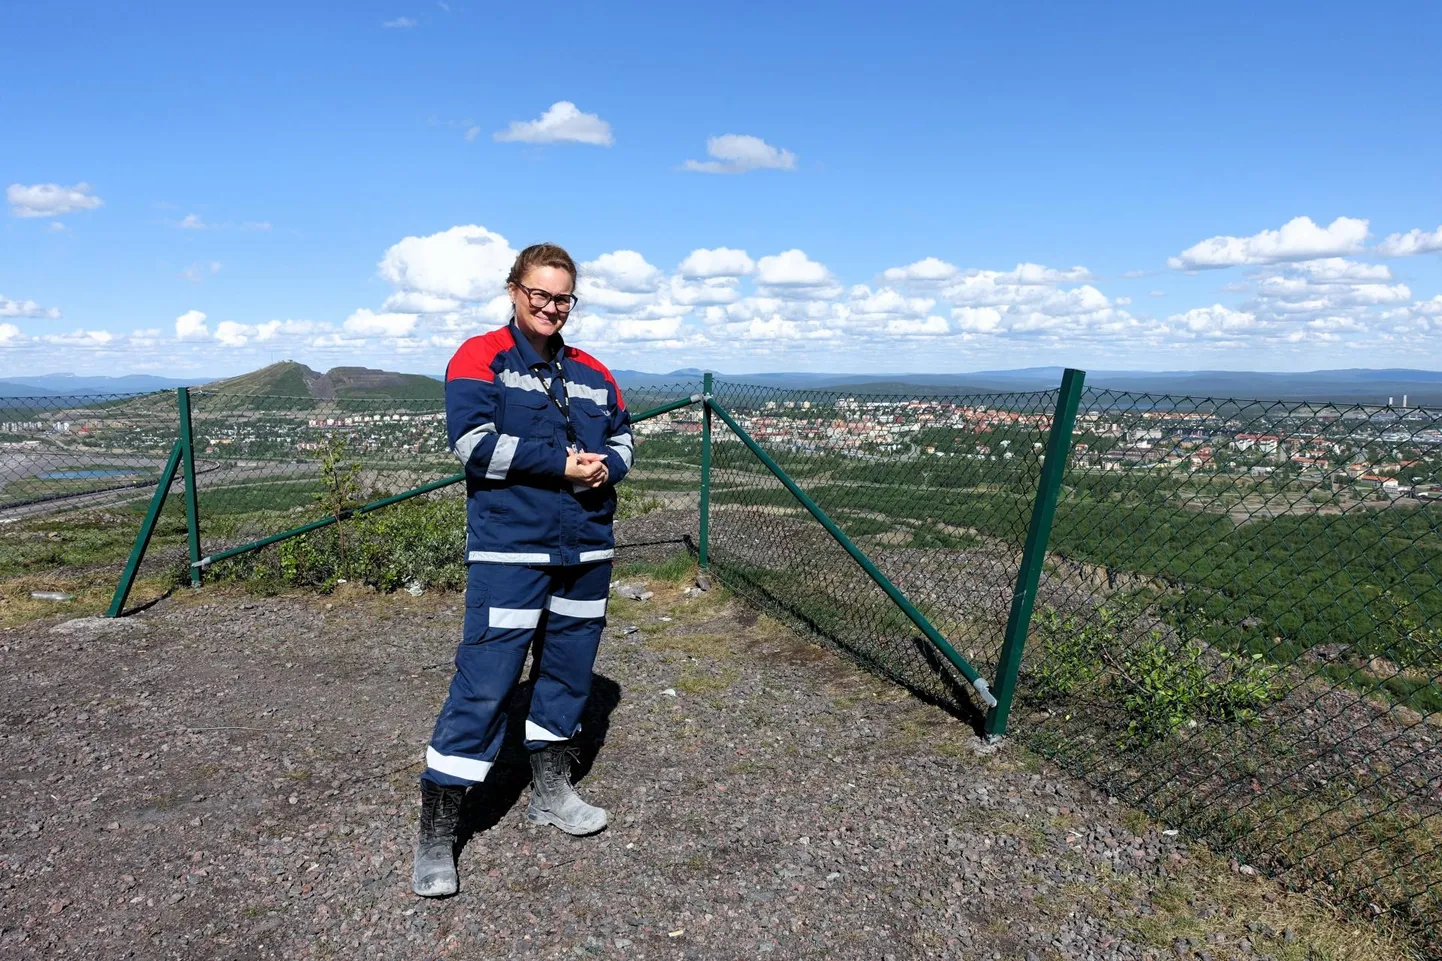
[528,353]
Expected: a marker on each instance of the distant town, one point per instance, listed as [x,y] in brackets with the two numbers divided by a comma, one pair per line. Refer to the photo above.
[1359,452]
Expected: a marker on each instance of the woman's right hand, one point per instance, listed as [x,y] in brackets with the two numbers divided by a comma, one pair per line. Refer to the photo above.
[585,468]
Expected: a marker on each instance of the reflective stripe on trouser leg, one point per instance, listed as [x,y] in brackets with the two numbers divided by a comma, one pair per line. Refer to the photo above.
[575,617]
[504,606]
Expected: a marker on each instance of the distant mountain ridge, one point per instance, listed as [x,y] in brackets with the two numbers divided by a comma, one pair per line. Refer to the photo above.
[51,385]
[292,379]
[1343,386]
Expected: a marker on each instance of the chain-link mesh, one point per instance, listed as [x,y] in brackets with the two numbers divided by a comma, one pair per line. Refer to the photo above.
[75,475]
[60,452]
[660,498]
[266,464]
[1240,628]
[936,490]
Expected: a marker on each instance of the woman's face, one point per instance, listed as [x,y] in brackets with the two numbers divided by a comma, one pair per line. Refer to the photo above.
[542,282]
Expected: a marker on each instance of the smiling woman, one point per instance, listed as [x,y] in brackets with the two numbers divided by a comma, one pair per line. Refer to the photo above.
[544,437]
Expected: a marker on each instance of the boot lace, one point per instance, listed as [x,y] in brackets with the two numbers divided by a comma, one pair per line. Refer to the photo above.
[442,809]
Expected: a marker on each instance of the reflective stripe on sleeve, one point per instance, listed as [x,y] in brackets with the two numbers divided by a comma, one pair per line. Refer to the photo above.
[501,457]
[468,441]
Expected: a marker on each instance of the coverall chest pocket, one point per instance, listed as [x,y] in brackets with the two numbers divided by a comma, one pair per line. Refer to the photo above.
[531,414]
[590,422]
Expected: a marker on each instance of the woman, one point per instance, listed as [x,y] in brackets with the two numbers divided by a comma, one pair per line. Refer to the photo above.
[544,437]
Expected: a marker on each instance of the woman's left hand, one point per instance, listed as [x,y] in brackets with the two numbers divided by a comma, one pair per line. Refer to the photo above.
[602,475]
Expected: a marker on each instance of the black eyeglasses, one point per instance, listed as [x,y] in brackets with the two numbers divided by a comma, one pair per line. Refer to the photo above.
[540,298]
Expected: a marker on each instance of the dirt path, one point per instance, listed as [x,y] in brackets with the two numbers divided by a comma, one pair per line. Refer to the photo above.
[233,777]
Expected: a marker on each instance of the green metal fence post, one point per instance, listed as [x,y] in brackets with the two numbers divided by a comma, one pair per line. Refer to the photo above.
[147,528]
[192,503]
[1058,446]
[704,548]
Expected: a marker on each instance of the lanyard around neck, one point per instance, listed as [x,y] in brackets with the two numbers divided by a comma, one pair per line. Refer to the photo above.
[563,404]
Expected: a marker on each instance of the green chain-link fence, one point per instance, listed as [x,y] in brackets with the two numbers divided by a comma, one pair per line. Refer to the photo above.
[1234,623]
[937,491]
[1240,628]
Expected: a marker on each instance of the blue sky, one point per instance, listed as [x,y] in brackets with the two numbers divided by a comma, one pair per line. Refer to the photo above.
[201,189]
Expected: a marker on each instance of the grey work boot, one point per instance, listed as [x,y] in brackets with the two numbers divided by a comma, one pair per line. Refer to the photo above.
[554,800]
[434,874]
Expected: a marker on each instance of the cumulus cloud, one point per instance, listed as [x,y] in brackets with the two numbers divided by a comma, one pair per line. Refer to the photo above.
[467,263]
[792,268]
[26,308]
[9,333]
[716,262]
[734,153]
[928,326]
[80,338]
[1298,239]
[399,23]
[50,200]
[191,326]
[562,123]
[623,270]
[232,334]
[367,323]
[1411,243]
[1213,321]
[926,270]
[419,302]
[191,222]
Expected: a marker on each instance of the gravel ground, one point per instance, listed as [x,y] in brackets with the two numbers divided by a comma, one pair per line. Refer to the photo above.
[223,776]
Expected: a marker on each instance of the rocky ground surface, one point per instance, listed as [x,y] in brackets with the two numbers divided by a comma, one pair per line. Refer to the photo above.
[226,776]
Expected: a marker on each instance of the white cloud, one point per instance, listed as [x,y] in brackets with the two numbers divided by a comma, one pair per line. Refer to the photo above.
[419,302]
[623,270]
[466,263]
[1339,270]
[926,270]
[399,23]
[713,290]
[929,326]
[191,222]
[562,123]
[232,334]
[716,262]
[1412,242]
[80,338]
[792,268]
[255,225]
[49,200]
[1213,321]
[472,132]
[367,323]
[191,326]
[981,320]
[8,333]
[26,308]
[1299,239]
[57,227]
[734,153]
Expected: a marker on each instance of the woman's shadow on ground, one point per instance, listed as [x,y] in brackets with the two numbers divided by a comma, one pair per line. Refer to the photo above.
[487,803]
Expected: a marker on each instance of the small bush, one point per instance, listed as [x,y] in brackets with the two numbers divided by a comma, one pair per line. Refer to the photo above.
[1160,683]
